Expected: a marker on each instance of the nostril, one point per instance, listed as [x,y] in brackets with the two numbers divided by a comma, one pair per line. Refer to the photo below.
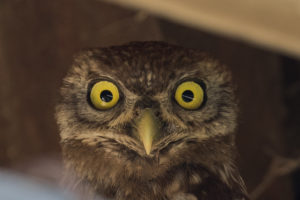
[146,102]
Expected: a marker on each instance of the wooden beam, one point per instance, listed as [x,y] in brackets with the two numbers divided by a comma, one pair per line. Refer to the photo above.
[274,24]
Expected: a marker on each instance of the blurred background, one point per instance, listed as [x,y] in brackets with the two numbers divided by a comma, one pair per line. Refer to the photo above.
[258,40]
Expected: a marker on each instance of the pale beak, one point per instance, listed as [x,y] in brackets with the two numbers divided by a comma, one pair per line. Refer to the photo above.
[147,129]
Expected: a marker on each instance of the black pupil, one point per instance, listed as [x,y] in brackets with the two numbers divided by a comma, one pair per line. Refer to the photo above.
[188,96]
[106,96]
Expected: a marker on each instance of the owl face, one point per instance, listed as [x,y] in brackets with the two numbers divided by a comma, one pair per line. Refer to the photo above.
[145,104]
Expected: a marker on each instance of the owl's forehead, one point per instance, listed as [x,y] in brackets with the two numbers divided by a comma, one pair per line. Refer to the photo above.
[145,68]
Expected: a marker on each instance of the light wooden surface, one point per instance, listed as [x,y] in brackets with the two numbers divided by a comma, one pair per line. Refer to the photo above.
[274,24]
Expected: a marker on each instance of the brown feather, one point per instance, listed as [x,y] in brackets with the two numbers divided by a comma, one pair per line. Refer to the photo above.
[194,157]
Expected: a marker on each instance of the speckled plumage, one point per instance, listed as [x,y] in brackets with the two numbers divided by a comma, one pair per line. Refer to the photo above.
[194,157]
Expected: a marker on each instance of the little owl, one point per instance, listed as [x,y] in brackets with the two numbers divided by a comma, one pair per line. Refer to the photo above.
[149,121]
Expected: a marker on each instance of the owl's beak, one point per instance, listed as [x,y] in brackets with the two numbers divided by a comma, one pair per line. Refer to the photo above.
[147,129]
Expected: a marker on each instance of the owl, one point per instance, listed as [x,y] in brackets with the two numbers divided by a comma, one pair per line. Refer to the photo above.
[149,121]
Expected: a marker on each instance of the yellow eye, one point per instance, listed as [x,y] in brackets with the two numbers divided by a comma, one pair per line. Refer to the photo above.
[189,95]
[104,95]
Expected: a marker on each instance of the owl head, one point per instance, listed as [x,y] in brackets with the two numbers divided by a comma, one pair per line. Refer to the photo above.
[142,108]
